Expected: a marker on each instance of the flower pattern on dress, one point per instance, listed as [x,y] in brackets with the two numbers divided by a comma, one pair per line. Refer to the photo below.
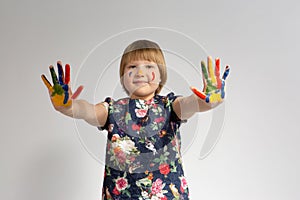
[143,159]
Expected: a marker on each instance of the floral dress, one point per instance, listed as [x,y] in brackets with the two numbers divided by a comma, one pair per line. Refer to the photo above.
[143,159]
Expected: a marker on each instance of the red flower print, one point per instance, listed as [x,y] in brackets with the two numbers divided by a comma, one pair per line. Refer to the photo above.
[116,191]
[121,184]
[164,168]
[135,127]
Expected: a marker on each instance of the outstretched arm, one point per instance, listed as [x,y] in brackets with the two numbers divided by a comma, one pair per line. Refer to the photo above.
[213,93]
[64,101]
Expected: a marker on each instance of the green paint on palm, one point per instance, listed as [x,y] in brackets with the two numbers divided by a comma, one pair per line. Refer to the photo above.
[57,90]
[210,88]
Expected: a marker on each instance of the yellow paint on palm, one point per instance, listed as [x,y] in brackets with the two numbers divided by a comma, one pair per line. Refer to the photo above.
[59,99]
[215,97]
[211,71]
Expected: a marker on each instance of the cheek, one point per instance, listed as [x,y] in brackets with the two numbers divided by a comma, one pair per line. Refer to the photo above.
[153,76]
[127,78]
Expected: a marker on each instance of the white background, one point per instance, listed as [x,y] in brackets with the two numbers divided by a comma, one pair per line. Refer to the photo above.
[258,155]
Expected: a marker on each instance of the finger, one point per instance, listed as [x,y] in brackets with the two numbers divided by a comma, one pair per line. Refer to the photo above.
[223,89]
[210,70]
[217,73]
[66,97]
[66,93]
[53,75]
[226,72]
[67,74]
[77,92]
[60,73]
[46,82]
[204,72]
[200,94]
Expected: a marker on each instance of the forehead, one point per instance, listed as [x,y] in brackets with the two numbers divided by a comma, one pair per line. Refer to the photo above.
[141,62]
[152,55]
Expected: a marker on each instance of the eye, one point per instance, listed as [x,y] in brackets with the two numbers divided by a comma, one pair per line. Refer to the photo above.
[149,66]
[131,66]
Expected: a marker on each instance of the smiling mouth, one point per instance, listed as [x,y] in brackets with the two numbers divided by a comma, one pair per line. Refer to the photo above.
[139,82]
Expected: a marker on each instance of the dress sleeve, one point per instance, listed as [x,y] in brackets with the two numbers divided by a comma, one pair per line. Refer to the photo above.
[173,116]
[109,101]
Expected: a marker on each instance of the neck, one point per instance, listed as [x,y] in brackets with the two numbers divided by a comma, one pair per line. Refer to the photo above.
[147,97]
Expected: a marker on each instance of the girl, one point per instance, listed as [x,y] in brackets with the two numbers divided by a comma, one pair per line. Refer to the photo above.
[143,159]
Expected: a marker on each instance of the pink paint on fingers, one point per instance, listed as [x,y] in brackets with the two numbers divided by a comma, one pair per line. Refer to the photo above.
[77,92]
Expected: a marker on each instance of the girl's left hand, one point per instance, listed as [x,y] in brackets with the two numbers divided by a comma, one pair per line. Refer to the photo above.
[214,86]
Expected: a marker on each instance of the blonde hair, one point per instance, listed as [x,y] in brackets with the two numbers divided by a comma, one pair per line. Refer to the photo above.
[144,50]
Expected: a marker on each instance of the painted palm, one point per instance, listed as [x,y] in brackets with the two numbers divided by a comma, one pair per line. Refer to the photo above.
[60,91]
[214,86]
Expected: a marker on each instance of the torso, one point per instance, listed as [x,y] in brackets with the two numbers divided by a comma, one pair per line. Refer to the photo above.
[143,159]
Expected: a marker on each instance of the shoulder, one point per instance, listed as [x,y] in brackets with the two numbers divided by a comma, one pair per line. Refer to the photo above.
[168,99]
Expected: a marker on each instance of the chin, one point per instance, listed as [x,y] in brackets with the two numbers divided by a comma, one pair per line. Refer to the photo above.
[143,92]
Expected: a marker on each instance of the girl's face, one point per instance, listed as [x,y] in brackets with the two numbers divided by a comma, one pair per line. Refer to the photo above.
[141,79]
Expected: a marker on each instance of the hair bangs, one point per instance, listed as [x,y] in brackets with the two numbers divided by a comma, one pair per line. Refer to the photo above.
[151,55]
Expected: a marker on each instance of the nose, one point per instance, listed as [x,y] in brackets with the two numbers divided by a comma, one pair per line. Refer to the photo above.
[140,72]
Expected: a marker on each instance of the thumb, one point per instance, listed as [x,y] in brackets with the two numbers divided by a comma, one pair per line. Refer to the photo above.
[200,94]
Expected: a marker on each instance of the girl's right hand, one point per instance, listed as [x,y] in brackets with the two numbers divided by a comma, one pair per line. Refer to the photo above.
[60,92]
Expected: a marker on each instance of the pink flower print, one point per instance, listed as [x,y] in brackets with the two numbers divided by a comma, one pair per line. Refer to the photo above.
[123,101]
[159,119]
[115,137]
[157,187]
[121,184]
[149,102]
[120,155]
[183,183]
[141,112]
[174,142]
